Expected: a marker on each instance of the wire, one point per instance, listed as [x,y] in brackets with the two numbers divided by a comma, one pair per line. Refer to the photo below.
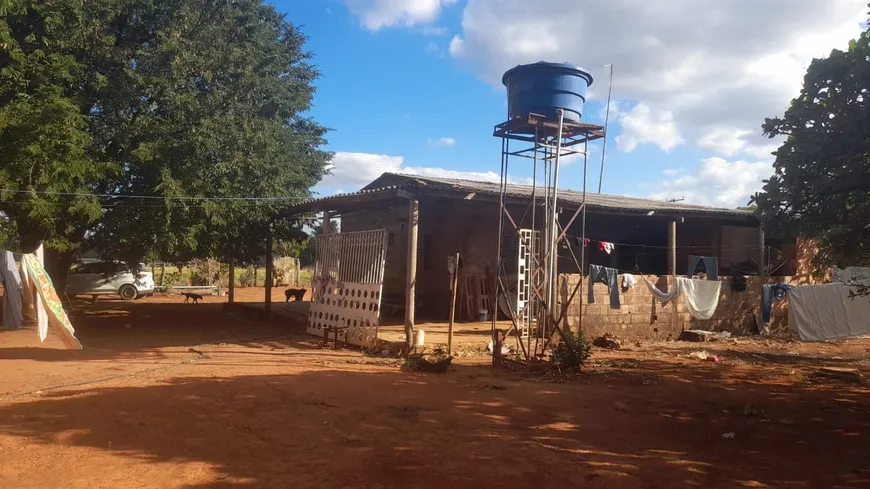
[156,197]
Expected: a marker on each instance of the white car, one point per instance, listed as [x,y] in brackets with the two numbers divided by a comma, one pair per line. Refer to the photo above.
[106,278]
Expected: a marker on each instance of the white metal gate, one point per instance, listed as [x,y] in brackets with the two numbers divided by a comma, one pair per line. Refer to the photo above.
[528,279]
[348,277]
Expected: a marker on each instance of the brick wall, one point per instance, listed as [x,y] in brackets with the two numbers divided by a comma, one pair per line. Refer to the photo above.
[643,317]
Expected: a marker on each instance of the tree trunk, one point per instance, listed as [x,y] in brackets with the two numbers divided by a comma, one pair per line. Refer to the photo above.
[57,265]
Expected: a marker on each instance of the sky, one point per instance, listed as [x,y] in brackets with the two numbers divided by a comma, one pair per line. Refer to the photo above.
[414,86]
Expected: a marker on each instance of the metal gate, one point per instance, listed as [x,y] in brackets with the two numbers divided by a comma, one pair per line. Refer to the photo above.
[348,276]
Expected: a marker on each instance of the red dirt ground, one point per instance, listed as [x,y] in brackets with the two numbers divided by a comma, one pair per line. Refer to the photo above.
[265,407]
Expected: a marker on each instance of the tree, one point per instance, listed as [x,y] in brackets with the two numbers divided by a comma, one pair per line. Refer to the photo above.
[177,113]
[821,183]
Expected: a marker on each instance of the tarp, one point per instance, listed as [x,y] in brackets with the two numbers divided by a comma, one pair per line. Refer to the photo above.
[48,297]
[824,312]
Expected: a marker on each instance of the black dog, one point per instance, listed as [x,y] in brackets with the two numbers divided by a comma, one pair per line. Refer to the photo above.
[296,294]
[190,295]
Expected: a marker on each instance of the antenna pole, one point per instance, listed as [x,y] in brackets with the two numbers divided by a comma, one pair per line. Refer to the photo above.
[606,120]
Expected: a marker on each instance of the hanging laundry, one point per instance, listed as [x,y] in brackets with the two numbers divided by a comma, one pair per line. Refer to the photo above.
[711,266]
[825,312]
[606,247]
[47,296]
[769,294]
[608,277]
[628,281]
[702,296]
[582,242]
[664,297]
[12,311]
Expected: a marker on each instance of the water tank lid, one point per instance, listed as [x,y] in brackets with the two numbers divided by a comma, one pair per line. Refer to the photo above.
[547,65]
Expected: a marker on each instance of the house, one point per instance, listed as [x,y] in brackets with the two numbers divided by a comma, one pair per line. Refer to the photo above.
[463,216]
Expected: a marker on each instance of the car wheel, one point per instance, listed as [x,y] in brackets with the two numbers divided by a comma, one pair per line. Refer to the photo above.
[128,292]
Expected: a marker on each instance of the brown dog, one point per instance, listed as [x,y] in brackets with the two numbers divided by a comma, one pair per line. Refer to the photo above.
[296,294]
[190,295]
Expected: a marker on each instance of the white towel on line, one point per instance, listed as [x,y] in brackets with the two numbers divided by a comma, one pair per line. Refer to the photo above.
[702,296]
[628,281]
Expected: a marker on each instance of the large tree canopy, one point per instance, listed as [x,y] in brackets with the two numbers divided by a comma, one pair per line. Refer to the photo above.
[821,182]
[185,118]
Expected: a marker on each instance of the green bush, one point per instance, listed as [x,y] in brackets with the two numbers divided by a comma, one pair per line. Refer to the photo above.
[572,352]
[246,278]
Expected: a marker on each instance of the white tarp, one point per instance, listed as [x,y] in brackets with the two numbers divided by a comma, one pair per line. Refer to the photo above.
[824,312]
[851,275]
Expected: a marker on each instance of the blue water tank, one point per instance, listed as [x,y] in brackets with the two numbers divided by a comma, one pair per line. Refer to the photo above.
[542,88]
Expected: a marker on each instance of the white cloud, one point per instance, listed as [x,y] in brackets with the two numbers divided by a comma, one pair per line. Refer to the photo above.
[704,72]
[442,142]
[377,14]
[642,125]
[433,48]
[672,171]
[717,182]
[358,169]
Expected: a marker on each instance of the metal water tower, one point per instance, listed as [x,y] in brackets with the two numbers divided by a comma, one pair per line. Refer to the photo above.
[546,102]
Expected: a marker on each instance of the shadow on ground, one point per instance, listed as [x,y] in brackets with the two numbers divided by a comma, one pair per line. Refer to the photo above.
[383,428]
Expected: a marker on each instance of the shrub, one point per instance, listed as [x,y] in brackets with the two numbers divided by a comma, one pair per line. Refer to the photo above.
[246,278]
[572,352]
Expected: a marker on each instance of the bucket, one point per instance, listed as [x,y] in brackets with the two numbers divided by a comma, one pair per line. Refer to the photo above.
[419,338]
[483,315]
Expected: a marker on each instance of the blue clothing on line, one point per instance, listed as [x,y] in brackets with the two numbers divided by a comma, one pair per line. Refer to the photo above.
[711,266]
[607,276]
[770,293]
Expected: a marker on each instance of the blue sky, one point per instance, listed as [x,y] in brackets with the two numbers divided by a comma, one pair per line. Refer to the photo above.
[414,85]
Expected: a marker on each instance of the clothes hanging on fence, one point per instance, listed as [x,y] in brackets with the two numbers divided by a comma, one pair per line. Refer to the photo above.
[12,309]
[606,247]
[711,266]
[47,296]
[664,297]
[608,277]
[824,312]
[628,281]
[769,294]
[702,296]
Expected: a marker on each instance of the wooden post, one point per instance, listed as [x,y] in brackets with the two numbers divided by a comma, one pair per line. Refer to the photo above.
[411,283]
[162,275]
[672,265]
[327,223]
[453,286]
[255,276]
[296,274]
[269,268]
[762,268]
[231,296]
[496,347]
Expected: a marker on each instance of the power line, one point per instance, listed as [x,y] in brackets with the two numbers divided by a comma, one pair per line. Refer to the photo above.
[156,197]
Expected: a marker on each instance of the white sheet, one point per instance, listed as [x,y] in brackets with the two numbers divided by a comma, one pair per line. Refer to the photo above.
[823,312]
[665,297]
[702,296]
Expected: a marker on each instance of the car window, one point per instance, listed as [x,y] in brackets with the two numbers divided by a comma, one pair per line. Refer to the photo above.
[87,268]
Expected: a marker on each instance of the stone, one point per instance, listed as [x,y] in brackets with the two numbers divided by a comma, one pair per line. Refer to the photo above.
[607,341]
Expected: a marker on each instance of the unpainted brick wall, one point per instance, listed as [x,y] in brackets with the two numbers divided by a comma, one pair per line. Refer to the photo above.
[642,317]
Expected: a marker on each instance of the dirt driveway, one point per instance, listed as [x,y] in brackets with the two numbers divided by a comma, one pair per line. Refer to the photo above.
[168,395]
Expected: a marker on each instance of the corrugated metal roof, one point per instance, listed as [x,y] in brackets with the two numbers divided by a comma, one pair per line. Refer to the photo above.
[593,200]
[389,183]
